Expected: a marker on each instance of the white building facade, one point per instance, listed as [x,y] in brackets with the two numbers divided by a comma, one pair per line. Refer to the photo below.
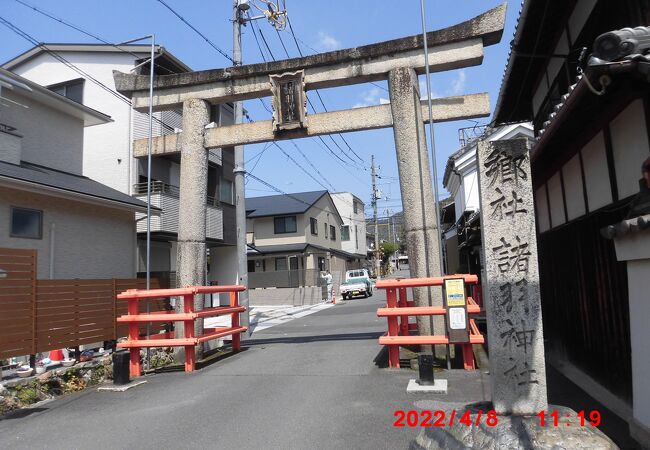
[108,150]
[80,228]
[353,229]
[462,250]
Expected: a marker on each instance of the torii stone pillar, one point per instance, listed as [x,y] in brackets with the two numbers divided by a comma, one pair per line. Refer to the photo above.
[192,209]
[417,191]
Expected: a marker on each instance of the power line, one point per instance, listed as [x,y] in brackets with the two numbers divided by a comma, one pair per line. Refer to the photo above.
[318,93]
[70,65]
[266,43]
[296,162]
[312,166]
[223,53]
[282,42]
[320,138]
[293,197]
[316,51]
[87,33]
[300,167]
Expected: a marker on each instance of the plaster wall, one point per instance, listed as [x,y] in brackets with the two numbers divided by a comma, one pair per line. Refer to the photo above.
[90,241]
[541,209]
[573,189]
[579,16]
[557,202]
[630,147]
[638,272]
[599,192]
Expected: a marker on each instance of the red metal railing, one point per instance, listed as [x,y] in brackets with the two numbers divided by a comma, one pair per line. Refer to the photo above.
[398,310]
[188,316]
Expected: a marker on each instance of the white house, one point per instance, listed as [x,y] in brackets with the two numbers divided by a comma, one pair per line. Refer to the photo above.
[462,239]
[353,230]
[79,227]
[108,150]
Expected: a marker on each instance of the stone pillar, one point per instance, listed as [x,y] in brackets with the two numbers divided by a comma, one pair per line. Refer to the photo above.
[512,299]
[190,268]
[417,192]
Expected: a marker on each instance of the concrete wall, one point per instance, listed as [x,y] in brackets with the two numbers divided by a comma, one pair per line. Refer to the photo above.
[286,296]
[223,265]
[50,138]
[90,241]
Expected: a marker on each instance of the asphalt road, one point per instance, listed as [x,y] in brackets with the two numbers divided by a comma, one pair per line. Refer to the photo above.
[310,383]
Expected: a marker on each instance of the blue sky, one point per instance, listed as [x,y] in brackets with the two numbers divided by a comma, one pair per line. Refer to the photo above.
[323,26]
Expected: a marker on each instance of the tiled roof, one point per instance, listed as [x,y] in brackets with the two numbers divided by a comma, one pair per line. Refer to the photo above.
[75,184]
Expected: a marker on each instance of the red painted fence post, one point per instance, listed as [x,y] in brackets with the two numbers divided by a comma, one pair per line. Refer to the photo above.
[393,328]
[190,356]
[134,335]
[234,321]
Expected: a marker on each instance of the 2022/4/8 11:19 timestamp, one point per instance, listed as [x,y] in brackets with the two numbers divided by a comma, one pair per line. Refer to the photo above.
[552,418]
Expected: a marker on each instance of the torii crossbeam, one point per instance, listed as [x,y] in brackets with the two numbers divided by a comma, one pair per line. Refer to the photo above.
[399,61]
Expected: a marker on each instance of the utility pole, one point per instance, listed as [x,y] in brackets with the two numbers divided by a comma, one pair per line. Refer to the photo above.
[373,172]
[240,172]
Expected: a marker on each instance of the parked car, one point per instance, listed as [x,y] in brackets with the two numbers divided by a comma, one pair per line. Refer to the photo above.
[360,273]
[355,287]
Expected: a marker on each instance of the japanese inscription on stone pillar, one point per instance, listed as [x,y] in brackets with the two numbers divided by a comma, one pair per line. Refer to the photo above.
[513,307]
[289,100]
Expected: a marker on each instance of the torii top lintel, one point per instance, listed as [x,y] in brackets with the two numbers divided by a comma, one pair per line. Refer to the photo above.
[449,48]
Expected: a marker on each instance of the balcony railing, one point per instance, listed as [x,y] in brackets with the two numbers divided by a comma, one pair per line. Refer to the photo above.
[166,197]
[157,187]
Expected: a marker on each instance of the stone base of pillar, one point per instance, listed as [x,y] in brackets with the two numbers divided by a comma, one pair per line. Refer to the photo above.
[509,432]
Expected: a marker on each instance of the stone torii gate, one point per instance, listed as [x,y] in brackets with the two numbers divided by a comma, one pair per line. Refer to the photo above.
[399,61]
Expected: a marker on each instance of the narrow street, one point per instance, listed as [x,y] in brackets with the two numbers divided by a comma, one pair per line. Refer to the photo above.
[309,383]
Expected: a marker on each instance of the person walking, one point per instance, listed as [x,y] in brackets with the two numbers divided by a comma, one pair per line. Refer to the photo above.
[328,282]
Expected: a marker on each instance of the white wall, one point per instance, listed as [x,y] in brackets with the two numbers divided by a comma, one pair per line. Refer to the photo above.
[573,188]
[556,201]
[630,147]
[90,241]
[50,138]
[470,191]
[325,212]
[541,209]
[594,159]
[223,270]
[107,147]
[344,203]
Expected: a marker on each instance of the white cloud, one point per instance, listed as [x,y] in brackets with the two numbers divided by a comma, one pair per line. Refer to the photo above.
[370,98]
[423,91]
[458,83]
[328,42]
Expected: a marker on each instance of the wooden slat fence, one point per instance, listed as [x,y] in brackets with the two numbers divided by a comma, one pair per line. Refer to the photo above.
[42,315]
[17,302]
